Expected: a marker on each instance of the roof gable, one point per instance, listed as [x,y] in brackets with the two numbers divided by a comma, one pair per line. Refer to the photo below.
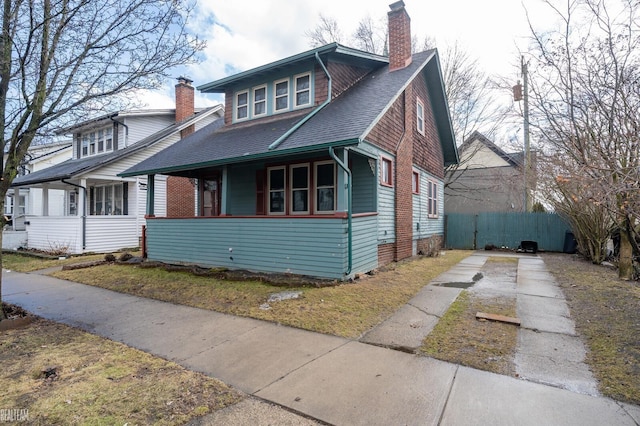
[479,152]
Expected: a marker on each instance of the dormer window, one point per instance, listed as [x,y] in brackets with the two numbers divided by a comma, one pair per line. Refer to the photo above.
[96,141]
[303,90]
[242,105]
[259,101]
[281,95]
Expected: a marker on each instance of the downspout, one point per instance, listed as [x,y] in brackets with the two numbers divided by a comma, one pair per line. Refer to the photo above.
[126,131]
[288,133]
[84,211]
[349,215]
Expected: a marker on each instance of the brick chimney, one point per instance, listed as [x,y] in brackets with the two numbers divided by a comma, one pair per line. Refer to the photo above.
[399,36]
[185,107]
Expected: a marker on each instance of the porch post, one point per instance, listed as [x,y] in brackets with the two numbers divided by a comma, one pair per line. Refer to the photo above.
[45,199]
[83,205]
[342,183]
[223,192]
[150,195]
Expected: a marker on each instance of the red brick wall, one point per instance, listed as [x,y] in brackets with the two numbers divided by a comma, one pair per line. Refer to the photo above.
[430,246]
[180,197]
[386,254]
[403,189]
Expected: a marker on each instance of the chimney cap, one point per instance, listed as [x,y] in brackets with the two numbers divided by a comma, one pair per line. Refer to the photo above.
[399,5]
[184,80]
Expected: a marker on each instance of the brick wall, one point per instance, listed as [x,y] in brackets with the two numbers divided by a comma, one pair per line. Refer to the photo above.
[180,197]
[386,254]
[430,246]
[403,184]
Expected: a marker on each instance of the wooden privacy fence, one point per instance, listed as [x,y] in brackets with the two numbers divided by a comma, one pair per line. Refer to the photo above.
[475,231]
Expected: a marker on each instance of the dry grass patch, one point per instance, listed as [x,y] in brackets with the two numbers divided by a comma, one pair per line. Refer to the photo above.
[462,339]
[347,310]
[26,263]
[98,381]
[606,313]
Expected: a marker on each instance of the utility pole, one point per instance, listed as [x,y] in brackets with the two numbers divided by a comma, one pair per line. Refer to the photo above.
[521,93]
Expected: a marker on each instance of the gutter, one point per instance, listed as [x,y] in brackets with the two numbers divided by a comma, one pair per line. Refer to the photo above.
[288,133]
[349,214]
[84,211]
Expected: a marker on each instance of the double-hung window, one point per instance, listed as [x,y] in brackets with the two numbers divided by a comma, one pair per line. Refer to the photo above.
[299,188]
[325,179]
[420,116]
[259,101]
[281,101]
[386,171]
[107,200]
[433,199]
[242,105]
[276,184]
[97,142]
[303,90]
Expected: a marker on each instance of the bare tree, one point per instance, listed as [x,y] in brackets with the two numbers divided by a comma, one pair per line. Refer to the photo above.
[62,60]
[327,31]
[371,36]
[585,103]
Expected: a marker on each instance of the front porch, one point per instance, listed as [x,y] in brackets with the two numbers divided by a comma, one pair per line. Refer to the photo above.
[315,246]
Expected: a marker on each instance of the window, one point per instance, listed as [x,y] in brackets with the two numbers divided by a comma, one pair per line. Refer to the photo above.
[386,171]
[259,101]
[433,199]
[299,189]
[242,105]
[96,142]
[106,200]
[73,203]
[276,185]
[420,116]
[415,182]
[303,90]
[281,95]
[325,178]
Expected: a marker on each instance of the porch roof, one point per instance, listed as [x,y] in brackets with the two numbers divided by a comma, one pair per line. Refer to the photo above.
[77,166]
[344,121]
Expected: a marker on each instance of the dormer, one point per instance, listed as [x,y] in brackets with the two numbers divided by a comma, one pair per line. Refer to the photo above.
[293,84]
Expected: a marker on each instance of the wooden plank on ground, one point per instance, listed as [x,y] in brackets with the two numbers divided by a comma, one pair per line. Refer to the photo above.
[500,318]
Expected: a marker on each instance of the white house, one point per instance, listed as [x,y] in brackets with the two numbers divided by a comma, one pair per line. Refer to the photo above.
[101,211]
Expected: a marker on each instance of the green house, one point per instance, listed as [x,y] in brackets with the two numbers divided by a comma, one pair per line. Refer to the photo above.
[328,163]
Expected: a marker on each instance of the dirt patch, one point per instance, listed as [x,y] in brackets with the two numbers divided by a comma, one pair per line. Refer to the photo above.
[61,375]
[605,310]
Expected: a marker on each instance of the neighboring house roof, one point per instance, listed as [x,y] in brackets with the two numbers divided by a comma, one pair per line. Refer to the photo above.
[346,120]
[74,167]
[515,159]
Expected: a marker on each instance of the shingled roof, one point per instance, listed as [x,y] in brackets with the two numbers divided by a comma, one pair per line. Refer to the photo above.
[74,167]
[344,121]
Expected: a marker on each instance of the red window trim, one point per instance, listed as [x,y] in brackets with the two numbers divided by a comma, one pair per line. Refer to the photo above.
[415,182]
[384,159]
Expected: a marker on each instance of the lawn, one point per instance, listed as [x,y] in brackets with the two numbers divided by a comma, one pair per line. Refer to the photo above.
[347,310]
[62,375]
[606,311]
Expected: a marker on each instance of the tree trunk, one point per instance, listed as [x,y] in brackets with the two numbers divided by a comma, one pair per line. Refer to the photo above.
[625,264]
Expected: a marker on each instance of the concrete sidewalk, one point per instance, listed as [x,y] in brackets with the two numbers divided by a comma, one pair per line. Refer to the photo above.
[331,379]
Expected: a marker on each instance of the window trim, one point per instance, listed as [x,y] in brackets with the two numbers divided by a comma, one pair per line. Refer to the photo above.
[415,181]
[284,191]
[433,199]
[275,95]
[420,124]
[386,160]
[254,102]
[296,91]
[111,188]
[90,141]
[316,187]
[236,106]
[290,188]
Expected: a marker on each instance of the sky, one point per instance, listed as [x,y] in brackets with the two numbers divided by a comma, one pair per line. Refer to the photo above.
[243,34]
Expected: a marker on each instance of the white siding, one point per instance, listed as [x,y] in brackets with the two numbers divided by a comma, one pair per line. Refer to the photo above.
[110,233]
[52,233]
[141,127]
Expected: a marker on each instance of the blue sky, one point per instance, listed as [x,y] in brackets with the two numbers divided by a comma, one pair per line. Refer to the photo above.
[244,34]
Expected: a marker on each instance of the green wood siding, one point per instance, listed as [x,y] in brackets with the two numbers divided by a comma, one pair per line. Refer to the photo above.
[364,185]
[242,190]
[305,246]
[423,225]
[365,244]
